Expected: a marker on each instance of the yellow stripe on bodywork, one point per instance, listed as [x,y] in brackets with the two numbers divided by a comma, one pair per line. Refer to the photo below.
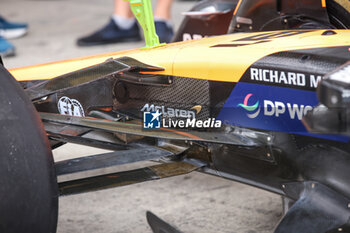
[199,59]
[237,6]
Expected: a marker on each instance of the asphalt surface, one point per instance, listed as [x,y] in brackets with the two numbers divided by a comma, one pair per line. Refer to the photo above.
[193,203]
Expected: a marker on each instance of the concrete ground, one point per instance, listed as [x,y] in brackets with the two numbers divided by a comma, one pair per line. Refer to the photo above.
[193,203]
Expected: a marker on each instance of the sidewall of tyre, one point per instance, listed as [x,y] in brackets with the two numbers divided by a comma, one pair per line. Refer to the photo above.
[339,11]
[28,184]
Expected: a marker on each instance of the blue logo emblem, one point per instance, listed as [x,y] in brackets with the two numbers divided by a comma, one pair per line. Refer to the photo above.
[151,120]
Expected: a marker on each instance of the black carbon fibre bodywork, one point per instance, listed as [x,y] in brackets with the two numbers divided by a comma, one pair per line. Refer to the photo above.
[267,159]
[252,16]
[279,14]
[317,62]
[268,167]
[255,145]
[183,93]
[295,157]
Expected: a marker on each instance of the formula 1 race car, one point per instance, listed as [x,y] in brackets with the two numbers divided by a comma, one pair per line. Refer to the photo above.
[242,106]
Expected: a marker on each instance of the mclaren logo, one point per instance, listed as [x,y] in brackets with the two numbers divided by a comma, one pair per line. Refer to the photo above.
[172,112]
[198,108]
[253,109]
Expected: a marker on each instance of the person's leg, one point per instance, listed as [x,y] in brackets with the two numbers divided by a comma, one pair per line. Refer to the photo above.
[122,8]
[163,9]
[162,16]
[123,16]
[122,27]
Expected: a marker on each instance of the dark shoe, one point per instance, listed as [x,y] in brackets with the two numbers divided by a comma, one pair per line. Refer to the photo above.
[111,33]
[164,32]
[10,30]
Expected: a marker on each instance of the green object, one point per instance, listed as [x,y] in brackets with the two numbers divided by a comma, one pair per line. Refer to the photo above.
[142,10]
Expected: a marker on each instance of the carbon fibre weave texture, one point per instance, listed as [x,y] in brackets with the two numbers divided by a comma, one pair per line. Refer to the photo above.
[183,93]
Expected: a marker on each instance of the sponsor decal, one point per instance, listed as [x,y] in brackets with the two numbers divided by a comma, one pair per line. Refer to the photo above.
[250,108]
[286,78]
[270,108]
[169,112]
[275,108]
[155,117]
[68,106]
[198,108]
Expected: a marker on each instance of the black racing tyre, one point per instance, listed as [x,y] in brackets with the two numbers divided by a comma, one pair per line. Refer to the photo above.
[28,184]
[339,13]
